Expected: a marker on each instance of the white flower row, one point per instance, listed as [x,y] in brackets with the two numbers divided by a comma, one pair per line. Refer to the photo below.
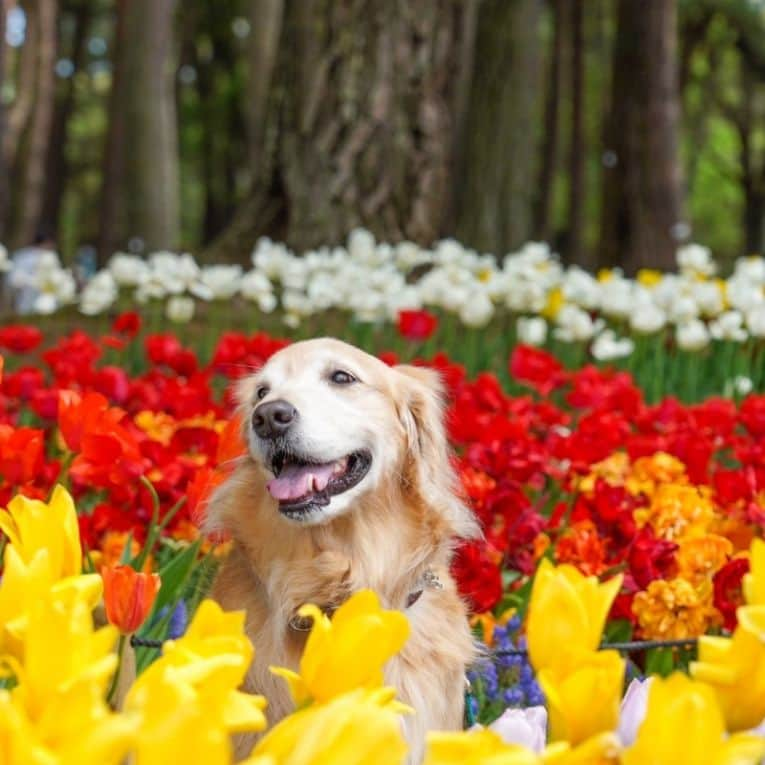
[373,282]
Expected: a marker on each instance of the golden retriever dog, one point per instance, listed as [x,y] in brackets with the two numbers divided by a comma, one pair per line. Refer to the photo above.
[347,484]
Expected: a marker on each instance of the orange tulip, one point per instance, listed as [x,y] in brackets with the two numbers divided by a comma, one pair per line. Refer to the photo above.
[128,596]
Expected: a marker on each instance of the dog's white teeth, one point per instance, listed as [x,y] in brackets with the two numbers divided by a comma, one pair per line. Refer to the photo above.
[340,466]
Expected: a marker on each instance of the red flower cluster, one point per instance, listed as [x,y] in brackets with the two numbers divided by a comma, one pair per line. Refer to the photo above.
[593,476]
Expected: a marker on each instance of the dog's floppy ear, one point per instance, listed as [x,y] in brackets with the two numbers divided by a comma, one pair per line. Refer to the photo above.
[421,409]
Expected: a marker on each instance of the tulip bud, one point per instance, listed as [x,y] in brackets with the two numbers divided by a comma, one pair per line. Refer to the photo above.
[129,596]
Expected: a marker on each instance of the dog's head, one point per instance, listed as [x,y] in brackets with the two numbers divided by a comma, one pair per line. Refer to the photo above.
[328,423]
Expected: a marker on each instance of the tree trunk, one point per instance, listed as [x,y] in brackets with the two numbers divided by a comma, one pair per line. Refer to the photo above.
[151,193]
[3,166]
[642,186]
[495,183]
[57,165]
[112,223]
[38,135]
[357,125]
[550,143]
[577,149]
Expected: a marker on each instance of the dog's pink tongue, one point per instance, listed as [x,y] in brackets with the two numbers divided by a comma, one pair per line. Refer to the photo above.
[296,481]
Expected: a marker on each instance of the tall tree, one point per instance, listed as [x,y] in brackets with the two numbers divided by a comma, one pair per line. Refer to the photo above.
[548,164]
[31,171]
[642,179]
[3,168]
[351,121]
[78,14]
[495,182]
[577,149]
[142,145]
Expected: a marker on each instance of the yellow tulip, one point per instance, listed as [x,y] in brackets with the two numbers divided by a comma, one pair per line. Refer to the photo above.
[475,747]
[584,701]
[356,728]
[347,652]
[201,671]
[567,612]
[56,712]
[602,749]
[684,724]
[735,669]
[32,525]
[176,725]
[754,581]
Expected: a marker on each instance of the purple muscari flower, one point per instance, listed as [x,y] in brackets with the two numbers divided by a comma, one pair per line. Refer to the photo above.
[525,727]
[633,710]
[178,621]
[513,696]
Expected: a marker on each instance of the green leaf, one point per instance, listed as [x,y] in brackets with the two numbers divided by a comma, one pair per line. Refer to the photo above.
[618,631]
[660,661]
[127,556]
[174,576]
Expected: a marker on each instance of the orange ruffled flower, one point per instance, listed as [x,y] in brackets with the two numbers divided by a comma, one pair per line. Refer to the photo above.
[675,610]
[613,470]
[648,473]
[677,511]
[700,558]
[128,596]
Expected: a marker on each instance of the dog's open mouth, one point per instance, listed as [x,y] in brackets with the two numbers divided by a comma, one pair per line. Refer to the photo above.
[301,485]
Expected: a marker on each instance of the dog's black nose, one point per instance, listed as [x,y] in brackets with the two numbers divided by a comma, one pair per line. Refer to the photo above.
[273,419]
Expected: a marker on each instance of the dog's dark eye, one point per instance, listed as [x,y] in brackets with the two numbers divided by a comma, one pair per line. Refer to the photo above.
[262,392]
[340,377]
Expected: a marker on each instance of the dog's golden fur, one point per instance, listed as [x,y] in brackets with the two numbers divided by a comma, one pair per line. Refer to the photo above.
[403,523]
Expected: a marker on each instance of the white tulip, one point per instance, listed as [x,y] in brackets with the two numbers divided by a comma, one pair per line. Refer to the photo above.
[128,270]
[729,326]
[607,346]
[180,309]
[755,321]
[692,335]
[576,325]
[531,330]
[220,282]
[695,260]
[5,261]
[477,310]
[99,294]
[647,319]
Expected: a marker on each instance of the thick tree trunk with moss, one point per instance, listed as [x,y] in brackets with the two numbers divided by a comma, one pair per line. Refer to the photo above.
[496,179]
[147,137]
[642,180]
[351,121]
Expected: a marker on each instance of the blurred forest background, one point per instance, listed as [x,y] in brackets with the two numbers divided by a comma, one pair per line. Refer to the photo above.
[615,129]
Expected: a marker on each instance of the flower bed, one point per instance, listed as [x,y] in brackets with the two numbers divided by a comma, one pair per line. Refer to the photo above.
[579,470]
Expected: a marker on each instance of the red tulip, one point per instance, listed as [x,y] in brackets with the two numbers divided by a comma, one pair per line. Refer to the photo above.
[416,325]
[127,324]
[20,338]
[129,596]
